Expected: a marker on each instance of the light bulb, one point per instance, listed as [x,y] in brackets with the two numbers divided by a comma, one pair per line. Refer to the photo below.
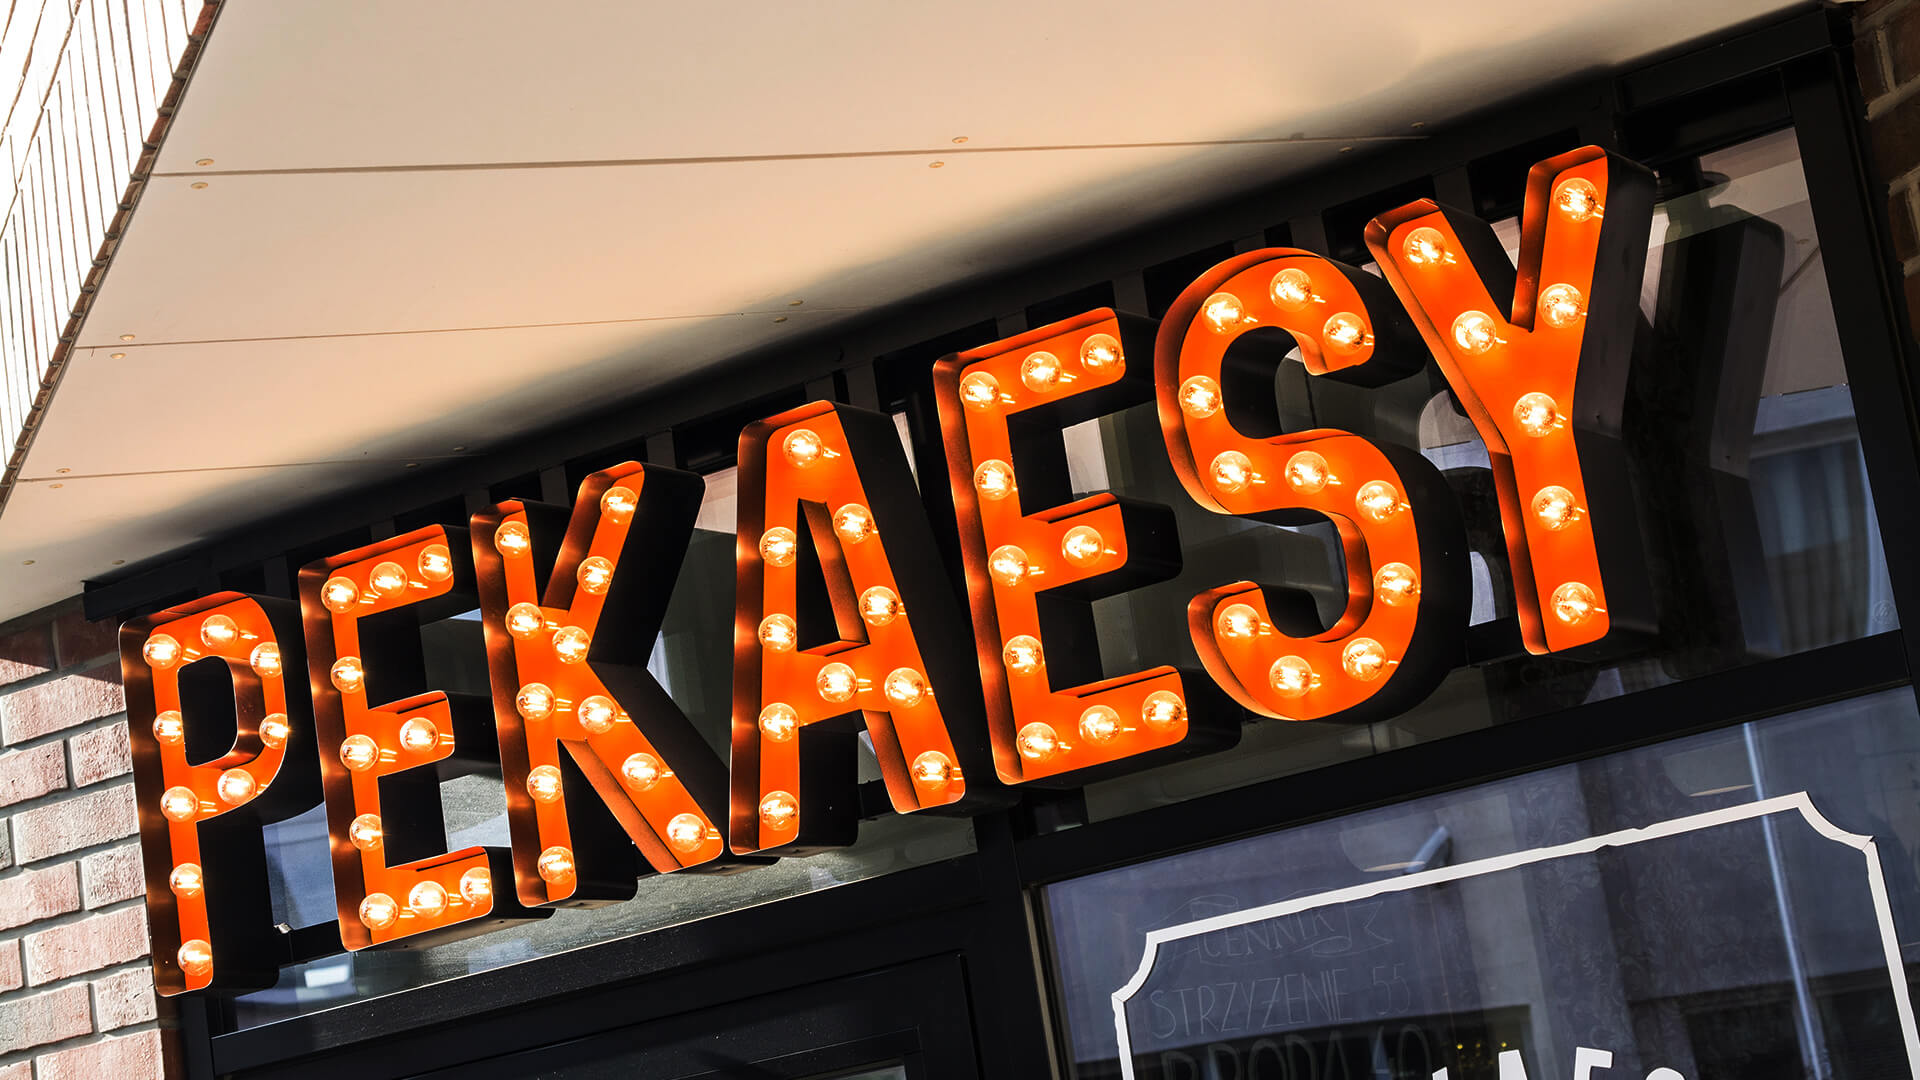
[1007,565]
[1474,332]
[853,522]
[1231,472]
[1554,508]
[686,832]
[932,768]
[1537,414]
[1377,499]
[1345,333]
[339,595]
[435,562]
[1040,371]
[1022,654]
[1396,584]
[1223,311]
[619,502]
[525,620]
[555,864]
[1082,545]
[1163,710]
[778,633]
[1308,472]
[994,479]
[1291,288]
[1364,658]
[642,771]
[1100,352]
[512,539]
[1573,603]
[359,752]
[905,687]
[597,714]
[265,659]
[1099,724]
[236,786]
[879,606]
[571,644]
[534,701]
[803,447]
[274,730]
[1561,305]
[366,832]
[187,880]
[378,911]
[161,651]
[595,574]
[219,631]
[837,683]
[388,578]
[419,735]
[347,674]
[428,899]
[979,389]
[169,727]
[543,783]
[1200,397]
[1291,677]
[779,810]
[1577,199]
[1425,247]
[196,957]
[179,804]
[778,546]
[1238,621]
[476,886]
[1037,742]
[779,721]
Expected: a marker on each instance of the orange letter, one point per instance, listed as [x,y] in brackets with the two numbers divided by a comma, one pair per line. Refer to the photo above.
[1539,362]
[1400,532]
[192,674]
[1035,559]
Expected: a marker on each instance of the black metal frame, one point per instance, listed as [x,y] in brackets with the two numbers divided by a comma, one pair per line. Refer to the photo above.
[982,913]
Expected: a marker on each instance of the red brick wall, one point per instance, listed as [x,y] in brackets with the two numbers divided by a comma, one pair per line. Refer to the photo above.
[76,995]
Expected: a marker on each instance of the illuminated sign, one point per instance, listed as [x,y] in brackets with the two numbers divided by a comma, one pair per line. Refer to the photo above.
[847,623]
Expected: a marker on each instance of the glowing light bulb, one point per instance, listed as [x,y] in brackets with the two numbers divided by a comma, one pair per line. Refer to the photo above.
[359,752]
[274,730]
[1554,507]
[1163,710]
[265,659]
[879,606]
[1231,472]
[1100,352]
[161,651]
[196,957]
[555,864]
[1040,371]
[933,769]
[778,633]
[1200,397]
[1022,655]
[1238,621]
[428,899]
[187,880]
[1425,247]
[1223,311]
[1578,199]
[853,522]
[347,674]
[803,447]
[1377,499]
[339,595]
[779,721]
[1291,677]
[476,886]
[595,574]
[534,701]
[419,735]
[1573,603]
[979,389]
[571,644]
[1308,472]
[388,578]
[686,832]
[1099,724]
[179,804]
[378,911]
[779,810]
[778,546]
[219,631]
[435,562]
[1475,333]
[597,714]
[1562,305]
[1396,584]
[543,783]
[1007,565]
[366,832]
[1082,545]
[1291,288]
[994,479]
[905,687]
[642,771]
[1037,742]
[837,683]
[619,502]
[236,786]
[1345,333]
[524,620]
[512,539]
[1364,658]
[169,727]
[1537,414]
